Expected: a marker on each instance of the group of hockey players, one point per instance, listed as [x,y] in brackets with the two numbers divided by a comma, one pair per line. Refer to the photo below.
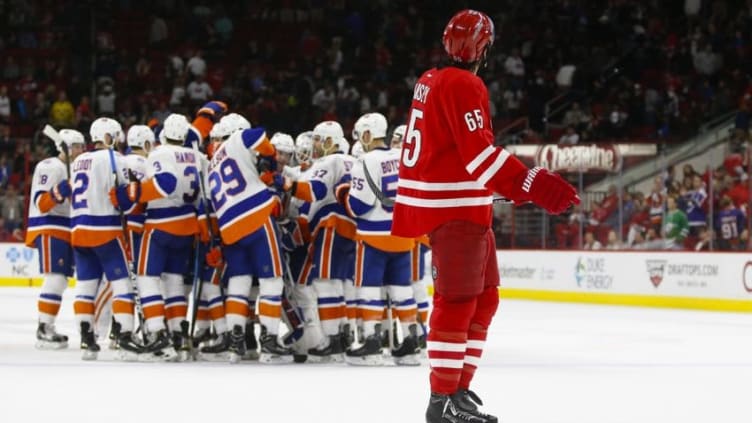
[218,241]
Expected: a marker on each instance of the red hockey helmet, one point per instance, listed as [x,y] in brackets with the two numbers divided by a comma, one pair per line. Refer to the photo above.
[467,34]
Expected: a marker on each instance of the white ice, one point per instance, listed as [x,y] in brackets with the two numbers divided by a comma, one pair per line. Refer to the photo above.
[543,363]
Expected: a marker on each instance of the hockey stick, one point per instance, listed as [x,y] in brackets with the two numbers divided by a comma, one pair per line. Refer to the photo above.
[386,201]
[129,264]
[390,322]
[291,311]
[198,285]
[51,133]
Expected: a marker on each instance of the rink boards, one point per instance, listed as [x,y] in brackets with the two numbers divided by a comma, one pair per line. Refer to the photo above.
[706,281]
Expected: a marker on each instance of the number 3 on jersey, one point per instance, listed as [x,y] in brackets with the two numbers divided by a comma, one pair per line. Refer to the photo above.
[411,148]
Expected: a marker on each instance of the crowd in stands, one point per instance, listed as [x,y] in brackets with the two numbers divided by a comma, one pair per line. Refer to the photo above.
[626,69]
[692,211]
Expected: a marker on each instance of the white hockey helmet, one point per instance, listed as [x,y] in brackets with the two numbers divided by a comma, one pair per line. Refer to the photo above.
[304,147]
[326,130]
[106,130]
[373,123]
[161,137]
[343,146]
[283,142]
[234,122]
[175,127]
[69,137]
[139,135]
[219,132]
[357,150]
[398,136]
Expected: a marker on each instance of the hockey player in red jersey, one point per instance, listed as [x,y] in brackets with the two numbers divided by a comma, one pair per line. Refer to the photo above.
[449,171]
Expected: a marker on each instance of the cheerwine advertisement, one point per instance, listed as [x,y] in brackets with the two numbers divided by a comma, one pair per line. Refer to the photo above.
[575,158]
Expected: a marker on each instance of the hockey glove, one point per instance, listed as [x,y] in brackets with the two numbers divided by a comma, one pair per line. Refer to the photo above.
[281,183]
[120,199]
[341,191]
[61,191]
[291,237]
[213,109]
[214,258]
[266,164]
[134,187]
[546,189]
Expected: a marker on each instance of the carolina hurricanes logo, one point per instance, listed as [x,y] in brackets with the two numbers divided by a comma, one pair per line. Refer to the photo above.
[656,269]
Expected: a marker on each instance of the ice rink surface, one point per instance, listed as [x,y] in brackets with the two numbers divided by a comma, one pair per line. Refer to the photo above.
[544,363]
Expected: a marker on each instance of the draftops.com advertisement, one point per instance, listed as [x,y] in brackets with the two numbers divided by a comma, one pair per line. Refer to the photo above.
[705,275]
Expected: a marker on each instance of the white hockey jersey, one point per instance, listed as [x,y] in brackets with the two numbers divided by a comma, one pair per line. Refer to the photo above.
[323,178]
[136,164]
[373,217]
[240,199]
[95,221]
[46,216]
[174,208]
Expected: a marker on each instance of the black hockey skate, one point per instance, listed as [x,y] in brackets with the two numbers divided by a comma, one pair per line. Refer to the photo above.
[181,341]
[251,344]
[271,350]
[128,349]
[203,336]
[348,336]
[469,401]
[89,347]
[407,352]
[49,339]
[114,334]
[159,348]
[329,352]
[237,344]
[368,354]
[218,351]
[442,409]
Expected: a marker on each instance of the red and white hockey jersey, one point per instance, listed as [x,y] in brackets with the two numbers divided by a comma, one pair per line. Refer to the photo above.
[450,167]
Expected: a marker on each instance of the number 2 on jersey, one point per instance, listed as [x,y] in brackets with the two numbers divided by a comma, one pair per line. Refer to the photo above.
[80,184]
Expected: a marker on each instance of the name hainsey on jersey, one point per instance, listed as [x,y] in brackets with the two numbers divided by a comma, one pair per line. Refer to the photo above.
[175,211]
